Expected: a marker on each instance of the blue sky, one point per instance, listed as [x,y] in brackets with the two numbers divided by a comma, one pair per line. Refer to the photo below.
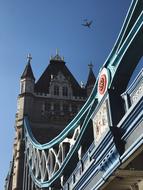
[39,27]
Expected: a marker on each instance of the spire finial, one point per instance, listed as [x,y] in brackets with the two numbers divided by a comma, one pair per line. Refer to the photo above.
[29,58]
[57,51]
[90,65]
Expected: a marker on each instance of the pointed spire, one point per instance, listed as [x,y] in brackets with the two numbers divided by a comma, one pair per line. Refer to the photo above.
[90,65]
[29,58]
[91,77]
[28,70]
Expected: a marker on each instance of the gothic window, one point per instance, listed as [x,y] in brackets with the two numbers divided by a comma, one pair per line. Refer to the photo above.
[22,87]
[56,90]
[65,91]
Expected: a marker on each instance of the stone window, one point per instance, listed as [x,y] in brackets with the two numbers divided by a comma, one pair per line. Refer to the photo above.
[22,87]
[65,91]
[56,90]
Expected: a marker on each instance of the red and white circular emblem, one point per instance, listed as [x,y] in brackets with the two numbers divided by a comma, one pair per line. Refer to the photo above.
[103,82]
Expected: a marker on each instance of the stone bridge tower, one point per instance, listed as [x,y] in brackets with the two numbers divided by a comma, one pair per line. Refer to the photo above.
[50,103]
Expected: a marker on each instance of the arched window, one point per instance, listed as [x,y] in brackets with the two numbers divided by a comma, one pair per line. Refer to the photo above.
[56,90]
[65,91]
[22,87]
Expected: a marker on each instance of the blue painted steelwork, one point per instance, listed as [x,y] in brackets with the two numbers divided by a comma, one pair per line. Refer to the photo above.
[104,158]
[116,64]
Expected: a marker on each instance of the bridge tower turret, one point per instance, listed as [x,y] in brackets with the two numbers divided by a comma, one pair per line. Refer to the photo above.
[27,79]
[25,97]
[24,104]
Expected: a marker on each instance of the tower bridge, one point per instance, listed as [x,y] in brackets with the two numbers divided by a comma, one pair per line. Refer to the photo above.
[101,146]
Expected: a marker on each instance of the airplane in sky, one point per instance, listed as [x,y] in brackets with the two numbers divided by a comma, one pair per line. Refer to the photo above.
[87,23]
